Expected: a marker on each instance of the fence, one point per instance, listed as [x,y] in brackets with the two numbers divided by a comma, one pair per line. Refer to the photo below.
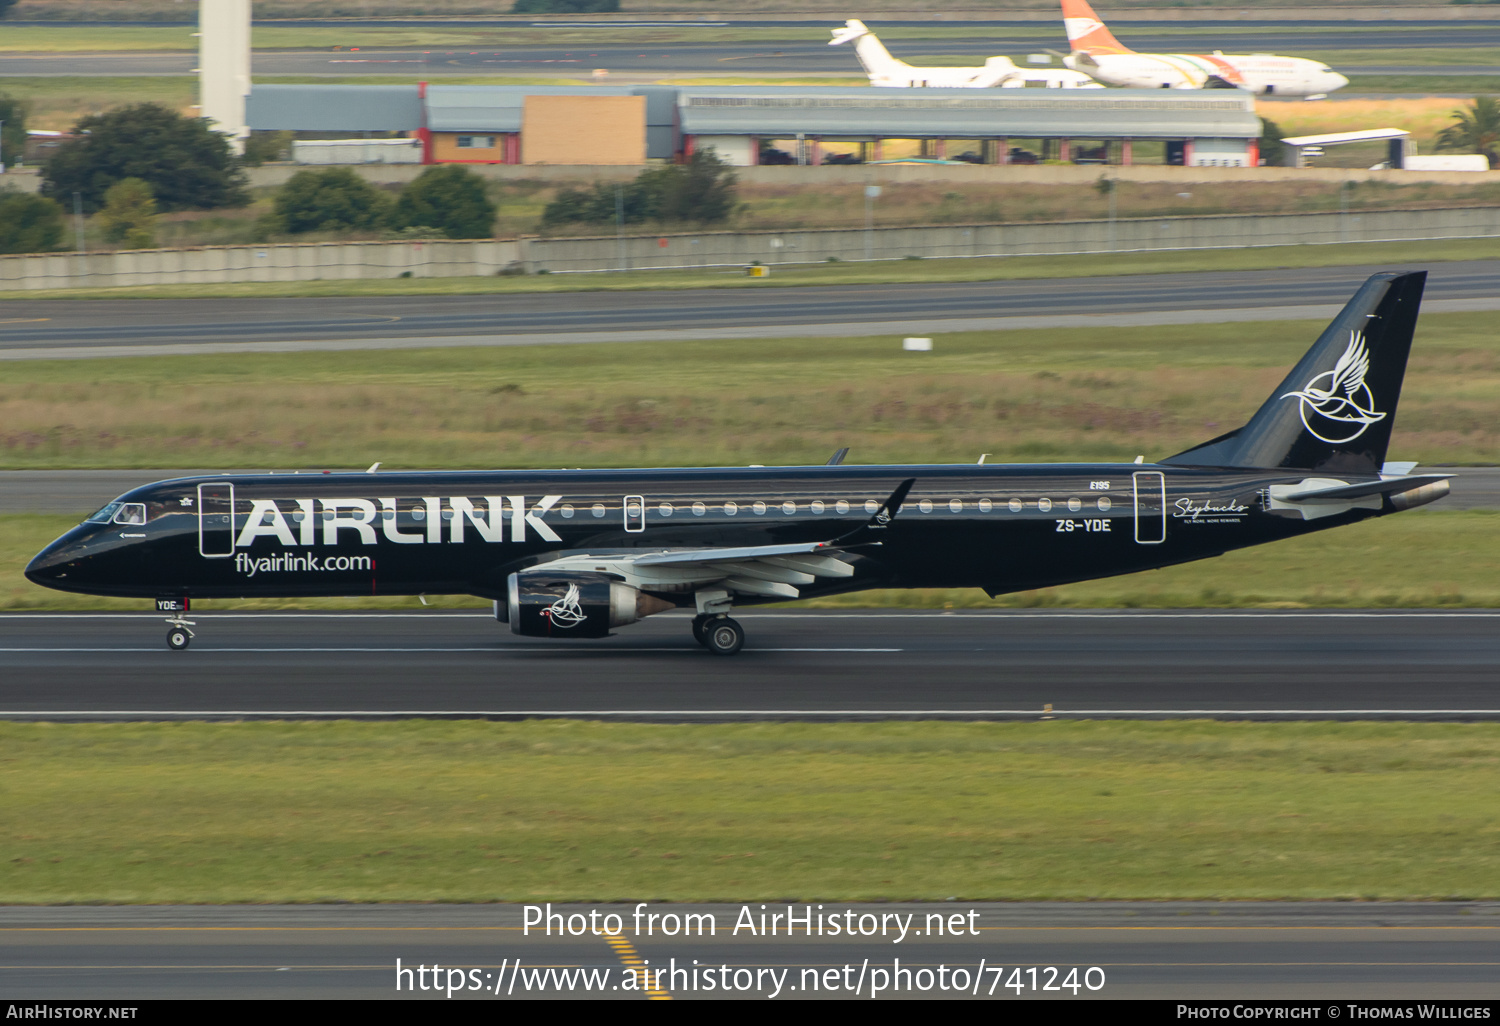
[431,259]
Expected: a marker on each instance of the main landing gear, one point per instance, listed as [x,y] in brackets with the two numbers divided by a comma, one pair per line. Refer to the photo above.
[721,635]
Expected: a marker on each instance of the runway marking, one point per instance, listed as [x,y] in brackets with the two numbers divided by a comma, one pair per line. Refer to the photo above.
[498,649]
[686,713]
[1419,614]
[636,966]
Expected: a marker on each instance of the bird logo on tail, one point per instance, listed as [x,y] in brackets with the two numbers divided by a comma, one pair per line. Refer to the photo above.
[1341,406]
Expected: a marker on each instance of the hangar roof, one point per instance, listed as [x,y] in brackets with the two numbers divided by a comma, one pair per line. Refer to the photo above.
[334,108]
[964,113]
[478,108]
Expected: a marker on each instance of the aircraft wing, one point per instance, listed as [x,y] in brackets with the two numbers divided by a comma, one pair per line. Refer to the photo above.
[773,571]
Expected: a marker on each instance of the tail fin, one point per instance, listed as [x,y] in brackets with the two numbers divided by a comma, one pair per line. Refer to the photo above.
[1335,410]
[1086,32]
[877,60]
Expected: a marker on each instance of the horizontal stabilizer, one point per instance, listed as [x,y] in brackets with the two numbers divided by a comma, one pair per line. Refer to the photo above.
[1389,486]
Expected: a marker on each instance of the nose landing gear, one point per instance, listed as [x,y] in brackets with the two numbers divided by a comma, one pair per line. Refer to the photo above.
[181,633]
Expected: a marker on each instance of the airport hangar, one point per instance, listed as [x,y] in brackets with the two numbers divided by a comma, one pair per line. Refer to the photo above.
[630,125]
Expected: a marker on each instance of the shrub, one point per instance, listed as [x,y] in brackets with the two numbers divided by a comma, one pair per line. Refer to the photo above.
[129,214]
[449,198]
[29,224]
[187,164]
[700,190]
[333,199]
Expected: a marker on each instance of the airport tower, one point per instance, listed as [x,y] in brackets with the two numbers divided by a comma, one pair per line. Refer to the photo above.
[224,66]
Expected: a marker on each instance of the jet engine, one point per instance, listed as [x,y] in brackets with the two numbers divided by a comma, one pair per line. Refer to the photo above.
[572,605]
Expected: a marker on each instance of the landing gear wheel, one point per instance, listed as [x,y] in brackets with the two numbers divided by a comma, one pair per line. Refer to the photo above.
[178,638]
[700,624]
[723,636]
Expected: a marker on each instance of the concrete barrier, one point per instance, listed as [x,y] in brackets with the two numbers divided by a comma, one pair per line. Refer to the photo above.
[1230,231]
[443,258]
[856,175]
[297,262]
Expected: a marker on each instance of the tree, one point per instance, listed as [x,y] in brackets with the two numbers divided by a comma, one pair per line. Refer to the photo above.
[700,190]
[1272,149]
[1475,128]
[451,198]
[6,5]
[13,132]
[187,164]
[129,214]
[29,224]
[334,199]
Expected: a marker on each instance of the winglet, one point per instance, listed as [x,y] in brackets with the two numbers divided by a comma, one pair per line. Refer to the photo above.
[837,457]
[883,516]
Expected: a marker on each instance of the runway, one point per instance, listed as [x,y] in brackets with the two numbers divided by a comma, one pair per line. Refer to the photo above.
[796,665]
[1165,950]
[43,328]
[803,51]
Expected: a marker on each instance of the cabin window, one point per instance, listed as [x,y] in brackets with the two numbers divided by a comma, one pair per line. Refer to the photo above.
[842,506]
[730,509]
[788,508]
[985,505]
[955,506]
[131,513]
[871,505]
[1045,505]
[598,509]
[760,509]
[817,507]
[665,509]
[104,515]
[1074,505]
[699,509]
[1103,503]
[567,512]
[1016,505]
[925,505]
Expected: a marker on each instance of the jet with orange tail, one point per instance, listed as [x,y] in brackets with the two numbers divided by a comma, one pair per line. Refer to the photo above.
[1097,53]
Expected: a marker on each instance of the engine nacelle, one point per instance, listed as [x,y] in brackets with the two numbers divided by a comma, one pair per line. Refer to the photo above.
[573,605]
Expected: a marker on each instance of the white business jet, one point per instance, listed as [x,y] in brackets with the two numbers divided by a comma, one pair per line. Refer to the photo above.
[997,72]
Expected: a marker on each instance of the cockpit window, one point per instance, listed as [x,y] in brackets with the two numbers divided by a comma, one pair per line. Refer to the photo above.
[131,513]
[104,515]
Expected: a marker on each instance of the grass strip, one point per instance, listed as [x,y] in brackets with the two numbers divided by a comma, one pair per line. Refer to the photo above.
[580,811]
[1431,85]
[1059,394]
[1420,560]
[880,272]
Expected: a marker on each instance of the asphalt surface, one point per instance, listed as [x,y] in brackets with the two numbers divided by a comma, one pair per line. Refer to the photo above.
[79,492]
[805,51]
[811,664]
[33,329]
[1367,951]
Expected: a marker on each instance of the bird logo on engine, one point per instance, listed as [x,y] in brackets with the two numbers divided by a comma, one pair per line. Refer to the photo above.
[566,612]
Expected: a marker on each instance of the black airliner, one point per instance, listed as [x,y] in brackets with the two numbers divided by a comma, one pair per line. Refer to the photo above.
[576,553]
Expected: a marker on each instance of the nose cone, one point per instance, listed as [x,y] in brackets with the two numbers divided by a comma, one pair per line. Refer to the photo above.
[1335,81]
[52,566]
